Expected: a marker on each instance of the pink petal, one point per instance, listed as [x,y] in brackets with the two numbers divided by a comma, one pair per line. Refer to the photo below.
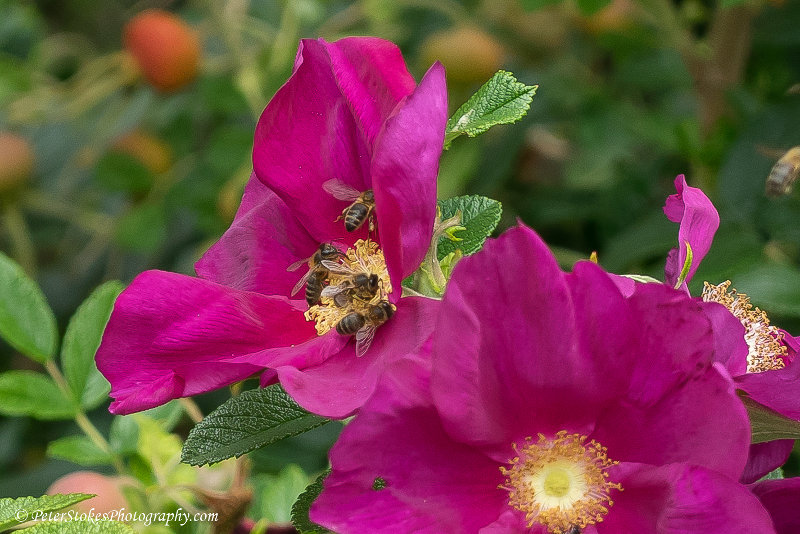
[169,336]
[264,239]
[765,458]
[698,220]
[503,340]
[404,170]
[353,378]
[306,136]
[780,498]
[433,485]
[777,389]
[679,498]
[373,78]
[701,422]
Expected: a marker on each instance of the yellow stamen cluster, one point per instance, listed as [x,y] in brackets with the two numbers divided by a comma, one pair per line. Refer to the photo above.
[560,483]
[367,257]
[765,350]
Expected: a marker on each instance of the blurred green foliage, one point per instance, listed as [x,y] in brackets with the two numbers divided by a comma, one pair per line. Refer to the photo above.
[631,93]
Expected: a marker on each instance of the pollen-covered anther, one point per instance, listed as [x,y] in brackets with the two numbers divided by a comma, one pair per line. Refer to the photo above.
[766,351]
[364,257]
[560,483]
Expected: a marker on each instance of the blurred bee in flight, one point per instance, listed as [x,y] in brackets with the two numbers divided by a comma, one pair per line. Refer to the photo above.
[363,325]
[361,209]
[317,274]
[784,173]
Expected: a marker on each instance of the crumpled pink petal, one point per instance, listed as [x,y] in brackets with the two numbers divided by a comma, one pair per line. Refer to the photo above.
[698,220]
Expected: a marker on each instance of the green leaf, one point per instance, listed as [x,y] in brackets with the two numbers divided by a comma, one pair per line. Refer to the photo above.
[275,494]
[501,100]
[16,511]
[251,420]
[80,527]
[26,321]
[732,3]
[479,215]
[301,506]
[590,7]
[33,394]
[81,340]
[79,450]
[768,425]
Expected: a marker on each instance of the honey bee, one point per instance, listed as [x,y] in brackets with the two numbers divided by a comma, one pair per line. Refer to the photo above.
[317,273]
[574,530]
[364,325]
[361,209]
[360,284]
[784,173]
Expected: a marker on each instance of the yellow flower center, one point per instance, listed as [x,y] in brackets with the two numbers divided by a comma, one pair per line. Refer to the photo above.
[765,350]
[365,257]
[561,483]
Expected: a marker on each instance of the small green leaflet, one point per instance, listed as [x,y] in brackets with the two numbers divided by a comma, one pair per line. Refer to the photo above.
[301,506]
[81,340]
[501,100]
[479,215]
[34,395]
[78,450]
[26,321]
[246,422]
[16,511]
[767,425]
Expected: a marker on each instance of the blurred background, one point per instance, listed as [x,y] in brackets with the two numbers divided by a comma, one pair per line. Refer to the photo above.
[114,159]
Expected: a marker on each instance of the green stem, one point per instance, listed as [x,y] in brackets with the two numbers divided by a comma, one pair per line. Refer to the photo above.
[24,251]
[82,421]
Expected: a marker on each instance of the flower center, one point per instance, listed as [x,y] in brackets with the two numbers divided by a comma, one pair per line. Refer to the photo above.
[766,351]
[561,483]
[351,294]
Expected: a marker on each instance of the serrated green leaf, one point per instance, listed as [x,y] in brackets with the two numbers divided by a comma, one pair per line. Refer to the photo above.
[83,335]
[768,425]
[22,509]
[246,422]
[501,100]
[479,215]
[78,450]
[26,321]
[33,394]
[80,527]
[301,506]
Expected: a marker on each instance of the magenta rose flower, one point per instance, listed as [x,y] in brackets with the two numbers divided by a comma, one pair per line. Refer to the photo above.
[551,403]
[763,368]
[350,115]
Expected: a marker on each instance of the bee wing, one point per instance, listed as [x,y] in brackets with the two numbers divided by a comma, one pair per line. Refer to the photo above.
[364,339]
[296,265]
[301,282]
[332,291]
[340,190]
[338,268]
